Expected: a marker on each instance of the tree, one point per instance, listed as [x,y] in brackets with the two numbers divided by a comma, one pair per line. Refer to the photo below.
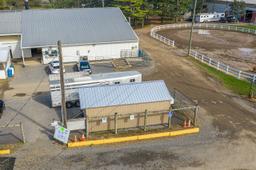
[136,9]
[238,8]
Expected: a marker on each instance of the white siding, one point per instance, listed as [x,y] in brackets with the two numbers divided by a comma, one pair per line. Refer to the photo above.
[97,52]
[14,43]
[3,73]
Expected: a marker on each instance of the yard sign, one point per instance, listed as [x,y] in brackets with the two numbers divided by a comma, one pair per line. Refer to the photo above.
[61,134]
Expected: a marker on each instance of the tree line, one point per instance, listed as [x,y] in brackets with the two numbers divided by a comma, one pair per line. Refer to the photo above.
[138,11]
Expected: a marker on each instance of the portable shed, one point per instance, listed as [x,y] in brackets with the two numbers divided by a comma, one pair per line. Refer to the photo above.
[5,62]
[127,103]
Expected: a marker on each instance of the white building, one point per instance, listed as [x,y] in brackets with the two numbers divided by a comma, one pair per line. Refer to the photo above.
[224,6]
[5,62]
[98,33]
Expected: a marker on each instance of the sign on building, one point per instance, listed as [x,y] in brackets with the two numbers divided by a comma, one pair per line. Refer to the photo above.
[61,134]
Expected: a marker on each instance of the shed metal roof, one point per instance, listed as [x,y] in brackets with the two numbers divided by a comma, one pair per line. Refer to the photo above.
[124,94]
[75,27]
[10,23]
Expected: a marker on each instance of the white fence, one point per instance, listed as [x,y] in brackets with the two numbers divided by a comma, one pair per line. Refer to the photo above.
[201,57]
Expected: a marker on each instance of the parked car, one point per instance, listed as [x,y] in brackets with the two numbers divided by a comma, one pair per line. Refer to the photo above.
[84,65]
[54,67]
[2,107]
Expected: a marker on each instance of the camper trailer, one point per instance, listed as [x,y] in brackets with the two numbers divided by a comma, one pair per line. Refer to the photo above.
[76,80]
[209,17]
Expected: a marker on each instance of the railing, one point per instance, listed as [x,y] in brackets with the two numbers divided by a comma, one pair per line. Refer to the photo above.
[203,58]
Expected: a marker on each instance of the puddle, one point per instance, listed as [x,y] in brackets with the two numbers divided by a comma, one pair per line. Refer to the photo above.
[20,94]
[246,51]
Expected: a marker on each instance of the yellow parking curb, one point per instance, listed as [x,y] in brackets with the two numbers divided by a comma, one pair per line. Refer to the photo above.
[133,138]
[5,152]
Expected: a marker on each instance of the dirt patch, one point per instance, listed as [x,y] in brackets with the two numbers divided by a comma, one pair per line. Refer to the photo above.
[233,48]
[4,85]
[20,95]
[178,72]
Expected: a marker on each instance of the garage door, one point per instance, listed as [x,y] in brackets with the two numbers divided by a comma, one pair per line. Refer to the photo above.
[15,47]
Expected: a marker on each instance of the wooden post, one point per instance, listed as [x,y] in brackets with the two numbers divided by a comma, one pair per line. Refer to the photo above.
[195,115]
[145,120]
[87,126]
[169,122]
[22,133]
[115,123]
[62,87]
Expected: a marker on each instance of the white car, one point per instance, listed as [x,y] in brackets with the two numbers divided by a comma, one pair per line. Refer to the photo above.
[54,67]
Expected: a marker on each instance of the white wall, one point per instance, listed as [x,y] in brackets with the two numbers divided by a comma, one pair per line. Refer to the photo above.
[3,73]
[14,43]
[95,52]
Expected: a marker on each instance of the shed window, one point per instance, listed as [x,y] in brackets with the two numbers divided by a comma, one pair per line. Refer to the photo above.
[1,66]
[132,80]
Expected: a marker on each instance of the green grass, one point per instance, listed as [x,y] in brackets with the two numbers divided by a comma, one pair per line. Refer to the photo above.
[241,87]
[247,26]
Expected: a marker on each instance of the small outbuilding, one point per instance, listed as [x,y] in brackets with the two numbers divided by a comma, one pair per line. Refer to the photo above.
[125,105]
[5,62]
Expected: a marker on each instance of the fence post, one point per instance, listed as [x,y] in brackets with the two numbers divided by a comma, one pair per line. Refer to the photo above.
[254,78]
[227,69]
[87,126]
[210,61]
[145,120]
[218,65]
[195,115]
[22,133]
[202,58]
[115,123]
[239,74]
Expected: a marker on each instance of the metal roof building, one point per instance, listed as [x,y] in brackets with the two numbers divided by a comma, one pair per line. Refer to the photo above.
[74,27]
[10,23]
[124,94]
[98,33]
[125,105]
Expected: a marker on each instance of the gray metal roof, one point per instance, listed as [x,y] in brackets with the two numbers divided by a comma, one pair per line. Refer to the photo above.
[10,23]
[246,1]
[75,27]
[82,77]
[124,94]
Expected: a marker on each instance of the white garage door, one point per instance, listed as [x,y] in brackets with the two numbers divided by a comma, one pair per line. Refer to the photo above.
[15,47]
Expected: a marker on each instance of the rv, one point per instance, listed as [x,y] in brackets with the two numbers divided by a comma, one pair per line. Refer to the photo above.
[209,17]
[74,81]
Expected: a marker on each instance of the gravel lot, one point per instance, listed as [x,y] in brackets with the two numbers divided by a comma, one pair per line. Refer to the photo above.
[227,138]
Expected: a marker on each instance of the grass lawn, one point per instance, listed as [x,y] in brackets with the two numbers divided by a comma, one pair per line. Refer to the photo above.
[241,87]
[247,26]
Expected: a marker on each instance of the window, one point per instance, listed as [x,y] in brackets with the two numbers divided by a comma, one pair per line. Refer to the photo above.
[132,80]
[1,66]
[117,82]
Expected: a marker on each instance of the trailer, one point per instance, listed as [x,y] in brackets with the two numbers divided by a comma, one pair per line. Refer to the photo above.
[209,17]
[74,81]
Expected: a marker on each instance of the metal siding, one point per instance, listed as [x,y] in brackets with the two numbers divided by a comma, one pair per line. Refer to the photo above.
[128,109]
[124,94]
[10,23]
[75,26]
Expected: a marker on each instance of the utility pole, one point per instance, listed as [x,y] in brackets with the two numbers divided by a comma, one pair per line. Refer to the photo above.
[192,27]
[62,88]
[103,3]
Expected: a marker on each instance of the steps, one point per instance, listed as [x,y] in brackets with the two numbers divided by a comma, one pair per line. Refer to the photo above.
[121,63]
